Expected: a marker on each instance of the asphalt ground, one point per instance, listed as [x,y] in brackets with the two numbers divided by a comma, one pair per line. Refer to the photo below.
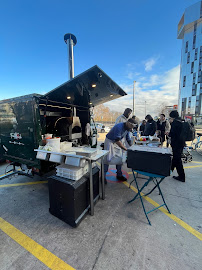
[118,236]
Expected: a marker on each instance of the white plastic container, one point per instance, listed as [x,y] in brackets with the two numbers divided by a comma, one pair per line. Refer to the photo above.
[71,172]
[86,151]
[48,135]
[42,155]
[56,158]
[59,158]
[75,161]
[54,143]
[65,146]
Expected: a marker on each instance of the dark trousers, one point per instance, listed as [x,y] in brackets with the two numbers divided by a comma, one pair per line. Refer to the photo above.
[177,161]
[118,169]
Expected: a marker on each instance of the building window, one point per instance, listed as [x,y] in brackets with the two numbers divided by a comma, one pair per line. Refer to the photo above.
[195,27]
[196,54]
[198,105]
[200,88]
[199,67]
[200,52]
[194,42]
[194,77]
[194,86]
[186,47]
[199,77]
[192,67]
[189,105]
[188,57]
[184,103]
[184,81]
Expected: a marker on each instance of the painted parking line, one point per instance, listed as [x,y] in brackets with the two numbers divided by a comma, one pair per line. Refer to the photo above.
[24,184]
[196,162]
[173,217]
[196,166]
[41,253]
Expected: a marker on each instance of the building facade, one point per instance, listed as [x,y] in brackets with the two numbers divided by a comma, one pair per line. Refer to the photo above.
[190,88]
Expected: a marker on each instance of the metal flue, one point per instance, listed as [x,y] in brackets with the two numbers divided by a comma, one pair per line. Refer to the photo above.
[71,41]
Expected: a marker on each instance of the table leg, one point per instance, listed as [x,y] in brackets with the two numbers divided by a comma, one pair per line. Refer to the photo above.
[102,178]
[91,189]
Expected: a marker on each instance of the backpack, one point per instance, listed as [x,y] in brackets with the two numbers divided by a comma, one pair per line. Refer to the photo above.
[188,132]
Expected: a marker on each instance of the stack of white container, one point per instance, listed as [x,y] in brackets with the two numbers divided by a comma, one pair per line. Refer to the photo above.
[76,166]
[71,172]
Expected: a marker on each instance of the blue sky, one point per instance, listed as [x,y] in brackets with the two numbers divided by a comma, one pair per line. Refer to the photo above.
[129,40]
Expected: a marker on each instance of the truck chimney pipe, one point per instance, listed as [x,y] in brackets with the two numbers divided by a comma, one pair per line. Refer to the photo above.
[71,41]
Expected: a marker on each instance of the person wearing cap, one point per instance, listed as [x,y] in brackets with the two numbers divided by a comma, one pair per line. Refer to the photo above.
[177,145]
[113,139]
[124,117]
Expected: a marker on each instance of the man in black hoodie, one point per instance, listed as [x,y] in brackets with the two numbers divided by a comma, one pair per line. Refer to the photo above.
[177,145]
[150,127]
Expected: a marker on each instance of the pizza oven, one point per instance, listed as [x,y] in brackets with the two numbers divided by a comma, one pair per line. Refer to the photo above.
[68,128]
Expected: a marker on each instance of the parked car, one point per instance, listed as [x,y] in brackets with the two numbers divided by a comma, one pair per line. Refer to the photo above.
[101,128]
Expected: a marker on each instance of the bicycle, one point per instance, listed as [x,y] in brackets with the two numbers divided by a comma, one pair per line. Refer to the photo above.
[197,144]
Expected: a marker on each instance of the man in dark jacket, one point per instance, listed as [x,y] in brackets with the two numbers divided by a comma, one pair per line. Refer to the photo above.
[150,127]
[163,127]
[177,145]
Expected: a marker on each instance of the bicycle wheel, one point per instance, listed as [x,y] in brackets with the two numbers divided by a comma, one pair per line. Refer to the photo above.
[199,148]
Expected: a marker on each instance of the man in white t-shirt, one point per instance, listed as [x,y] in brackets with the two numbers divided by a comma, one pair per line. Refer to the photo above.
[124,117]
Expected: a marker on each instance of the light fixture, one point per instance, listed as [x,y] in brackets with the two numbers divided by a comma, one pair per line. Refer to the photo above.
[90,103]
[93,85]
[68,97]
[111,95]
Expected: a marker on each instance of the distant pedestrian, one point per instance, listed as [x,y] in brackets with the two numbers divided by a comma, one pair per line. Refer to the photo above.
[177,145]
[142,127]
[163,127]
[136,124]
[150,127]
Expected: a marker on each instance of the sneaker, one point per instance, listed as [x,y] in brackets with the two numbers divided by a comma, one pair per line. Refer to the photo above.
[179,179]
[121,178]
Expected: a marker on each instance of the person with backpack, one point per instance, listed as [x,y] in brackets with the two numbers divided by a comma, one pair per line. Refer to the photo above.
[177,144]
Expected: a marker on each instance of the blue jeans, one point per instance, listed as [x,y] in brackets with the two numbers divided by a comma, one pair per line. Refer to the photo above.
[118,169]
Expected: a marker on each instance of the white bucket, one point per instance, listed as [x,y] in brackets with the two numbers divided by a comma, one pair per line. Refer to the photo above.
[54,143]
[48,135]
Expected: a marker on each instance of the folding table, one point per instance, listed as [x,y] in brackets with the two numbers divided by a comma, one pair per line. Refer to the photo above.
[156,179]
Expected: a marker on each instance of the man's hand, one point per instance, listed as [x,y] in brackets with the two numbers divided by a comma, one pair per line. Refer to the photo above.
[119,143]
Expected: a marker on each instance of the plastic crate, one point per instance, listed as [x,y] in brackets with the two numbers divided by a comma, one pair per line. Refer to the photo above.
[71,172]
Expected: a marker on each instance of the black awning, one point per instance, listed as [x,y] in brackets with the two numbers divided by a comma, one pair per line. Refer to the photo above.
[92,87]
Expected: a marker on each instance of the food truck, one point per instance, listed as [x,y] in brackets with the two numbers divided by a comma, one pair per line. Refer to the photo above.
[63,112]
[31,127]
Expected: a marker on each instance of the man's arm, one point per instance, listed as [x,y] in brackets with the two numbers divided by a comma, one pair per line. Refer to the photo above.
[119,143]
[128,139]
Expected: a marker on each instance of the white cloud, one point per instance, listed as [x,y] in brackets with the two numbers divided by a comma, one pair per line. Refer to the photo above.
[153,80]
[133,75]
[149,63]
[160,89]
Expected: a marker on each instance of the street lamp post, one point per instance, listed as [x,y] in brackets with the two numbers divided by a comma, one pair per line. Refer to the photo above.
[145,108]
[134,97]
